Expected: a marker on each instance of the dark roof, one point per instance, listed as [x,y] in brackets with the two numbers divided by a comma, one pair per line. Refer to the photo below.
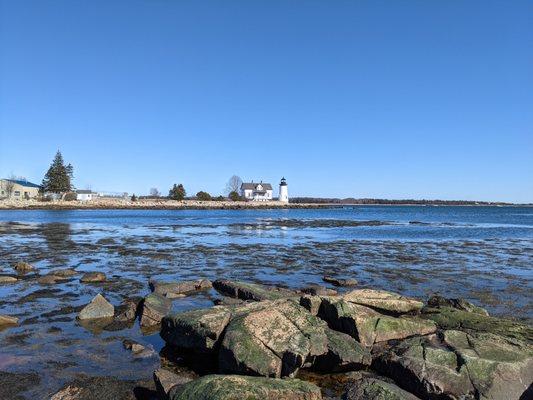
[253,186]
[84,191]
[23,183]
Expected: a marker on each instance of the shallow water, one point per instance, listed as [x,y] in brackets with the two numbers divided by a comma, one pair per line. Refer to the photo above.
[484,254]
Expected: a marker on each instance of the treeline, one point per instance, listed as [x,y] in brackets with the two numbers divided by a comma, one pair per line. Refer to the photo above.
[351,200]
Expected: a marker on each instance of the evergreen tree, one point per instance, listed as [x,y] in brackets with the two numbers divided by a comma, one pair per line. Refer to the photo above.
[177,192]
[58,178]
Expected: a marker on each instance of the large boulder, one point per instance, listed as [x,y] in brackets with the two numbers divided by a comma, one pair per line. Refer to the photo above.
[237,387]
[383,301]
[154,308]
[459,365]
[98,308]
[197,330]
[344,354]
[177,289]
[452,318]
[271,339]
[251,291]
[367,325]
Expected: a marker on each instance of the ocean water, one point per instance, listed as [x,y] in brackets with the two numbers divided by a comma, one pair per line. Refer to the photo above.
[483,254]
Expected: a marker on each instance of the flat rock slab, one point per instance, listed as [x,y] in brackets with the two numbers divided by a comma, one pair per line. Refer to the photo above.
[154,308]
[376,389]
[436,301]
[384,301]
[93,277]
[340,281]
[100,388]
[64,272]
[7,320]
[98,308]
[251,291]
[459,365]
[197,330]
[452,318]
[236,387]
[369,326]
[174,289]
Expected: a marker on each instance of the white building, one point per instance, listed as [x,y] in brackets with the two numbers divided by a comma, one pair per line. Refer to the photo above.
[85,195]
[256,191]
[283,191]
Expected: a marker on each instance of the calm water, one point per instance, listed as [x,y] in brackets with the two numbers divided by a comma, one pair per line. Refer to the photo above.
[484,254]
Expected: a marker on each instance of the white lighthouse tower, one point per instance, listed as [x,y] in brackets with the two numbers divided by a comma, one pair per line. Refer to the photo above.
[283,191]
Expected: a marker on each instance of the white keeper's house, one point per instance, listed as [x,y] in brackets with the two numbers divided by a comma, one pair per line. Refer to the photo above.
[256,191]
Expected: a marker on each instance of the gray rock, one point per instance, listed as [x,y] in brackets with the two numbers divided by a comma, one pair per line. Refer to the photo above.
[133,346]
[368,388]
[93,277]
[128,309]
[64,272]
[311,303]
[165,381]
[234,387]
[176,289]
[340,281]
[318,290]
[460,365]
[98,308]
[154,308]
[383,301]
[251,291]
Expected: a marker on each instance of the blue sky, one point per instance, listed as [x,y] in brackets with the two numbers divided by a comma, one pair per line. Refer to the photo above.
[388,99]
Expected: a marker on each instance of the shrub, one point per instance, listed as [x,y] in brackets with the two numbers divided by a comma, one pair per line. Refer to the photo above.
[203,196]
[177,192]
[234,196]
[70,196]
[133,197]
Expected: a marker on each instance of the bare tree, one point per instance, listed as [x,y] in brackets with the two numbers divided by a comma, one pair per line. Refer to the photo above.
[10,185]
[234,184]
[154,192]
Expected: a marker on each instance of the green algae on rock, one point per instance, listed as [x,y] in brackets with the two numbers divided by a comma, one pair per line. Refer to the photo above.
[239,387]
[368,388]
[460,365]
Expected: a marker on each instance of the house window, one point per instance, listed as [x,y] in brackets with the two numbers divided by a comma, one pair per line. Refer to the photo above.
[17,193]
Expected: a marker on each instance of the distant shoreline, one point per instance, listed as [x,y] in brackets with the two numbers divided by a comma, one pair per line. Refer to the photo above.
[165,204]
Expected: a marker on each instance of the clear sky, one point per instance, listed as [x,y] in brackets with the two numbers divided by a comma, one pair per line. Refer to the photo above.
[387,99]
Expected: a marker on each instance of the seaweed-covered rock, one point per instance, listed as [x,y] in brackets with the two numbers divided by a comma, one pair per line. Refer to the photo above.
[22,267]
[271,339]
[436,301]
[383,301]
[197,330]
[311,303]
[368,388]
[340,281]
[93,277]
[367,325]
[251,291]
[98,308]
[460,366]
[452,318]
[344,354]
[175,289]
[237,387]
[7,320]
[154,308]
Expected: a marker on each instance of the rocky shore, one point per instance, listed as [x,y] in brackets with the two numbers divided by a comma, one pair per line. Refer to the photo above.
[140,204]
[265,342]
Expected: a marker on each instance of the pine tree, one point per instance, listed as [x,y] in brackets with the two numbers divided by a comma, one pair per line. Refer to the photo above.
[177,192]
[58,178]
